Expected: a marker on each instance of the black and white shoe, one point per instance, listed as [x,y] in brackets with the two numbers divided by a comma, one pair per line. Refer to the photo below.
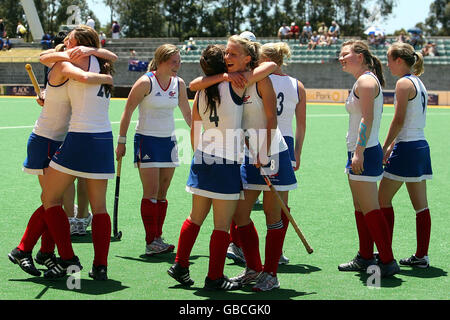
[60,268]
[413,261]
[24,260]
[180,274]
[357,264]
[388,269]
[223,284]
[99,273]
[45,259]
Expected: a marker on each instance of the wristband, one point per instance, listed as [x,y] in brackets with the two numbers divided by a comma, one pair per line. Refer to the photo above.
[122,140]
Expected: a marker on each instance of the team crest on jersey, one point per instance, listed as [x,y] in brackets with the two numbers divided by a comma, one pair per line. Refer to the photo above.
[245,99]
[172,94]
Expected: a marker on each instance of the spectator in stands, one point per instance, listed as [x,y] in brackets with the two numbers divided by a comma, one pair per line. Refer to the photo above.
[323,30]
[416,40]
[191,45]
[334,30]
[402,37]
[306,33]
[294,32]
[371,39]
[430,49]
[21,30]
[102,37]
[115,30]
[90,23]
[381,39]
[313,41]
[2,29]
[46,41]
[283,32]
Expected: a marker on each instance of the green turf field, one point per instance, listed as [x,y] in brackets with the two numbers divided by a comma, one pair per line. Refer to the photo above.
[321,205]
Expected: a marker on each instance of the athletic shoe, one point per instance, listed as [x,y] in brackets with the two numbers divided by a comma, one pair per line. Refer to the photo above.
[266,282]
[413,261]
[81,227]
[283,259]
[158,246]
[180,274]
[60,269]
[24,260]
[87,221]
[223,283]
[247,276]
[46,259]
[235,253]
[357,264]
[73,226]
[99,273]
[388,269]
[170,247]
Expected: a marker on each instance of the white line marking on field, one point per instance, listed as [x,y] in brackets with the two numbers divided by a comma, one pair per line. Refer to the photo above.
[331,115]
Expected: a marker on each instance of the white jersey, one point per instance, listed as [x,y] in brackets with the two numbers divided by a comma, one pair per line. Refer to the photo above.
[223,134]
[354,108]
[416,112]
[90,104]
[254,119]
[156,109]
[53,122]
[286,90]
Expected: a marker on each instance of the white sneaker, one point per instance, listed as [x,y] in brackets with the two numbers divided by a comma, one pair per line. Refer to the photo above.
[235,253]
[283,259]
[266,282]
[158,246]
[247,276]
[87,221]
[81,227]
[73,226]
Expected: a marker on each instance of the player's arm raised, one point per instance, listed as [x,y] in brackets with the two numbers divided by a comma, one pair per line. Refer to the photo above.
[196,125]
[72,72]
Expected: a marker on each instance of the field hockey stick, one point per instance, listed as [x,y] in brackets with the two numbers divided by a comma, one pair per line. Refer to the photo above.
[37,89]
[117,234]
[288,214]
[285,210]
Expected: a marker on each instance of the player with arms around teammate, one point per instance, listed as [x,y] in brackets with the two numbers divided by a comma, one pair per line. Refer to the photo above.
[214,178]
[406,151]
[50,218]
[87,152]
[157,93]
[364,164]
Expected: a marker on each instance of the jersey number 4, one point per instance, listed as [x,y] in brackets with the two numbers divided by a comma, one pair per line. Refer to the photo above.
[102,92]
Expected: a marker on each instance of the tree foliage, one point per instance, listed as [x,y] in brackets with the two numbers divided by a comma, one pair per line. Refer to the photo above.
[220,18]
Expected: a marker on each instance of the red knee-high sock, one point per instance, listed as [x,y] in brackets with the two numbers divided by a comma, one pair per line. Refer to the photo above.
[188,235]
[101,238]
[274,247]
[162,210]
[218,246]
[35,228]
[250,246]
[379,231]
[365,239]
[149,214]
[423,231]
[388,214]
[234,234]
[47,243]
[59,228]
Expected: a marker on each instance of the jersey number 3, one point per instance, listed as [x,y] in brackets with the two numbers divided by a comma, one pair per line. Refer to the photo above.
[280,98]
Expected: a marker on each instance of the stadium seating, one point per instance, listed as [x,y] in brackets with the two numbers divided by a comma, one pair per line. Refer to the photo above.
[321,54]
